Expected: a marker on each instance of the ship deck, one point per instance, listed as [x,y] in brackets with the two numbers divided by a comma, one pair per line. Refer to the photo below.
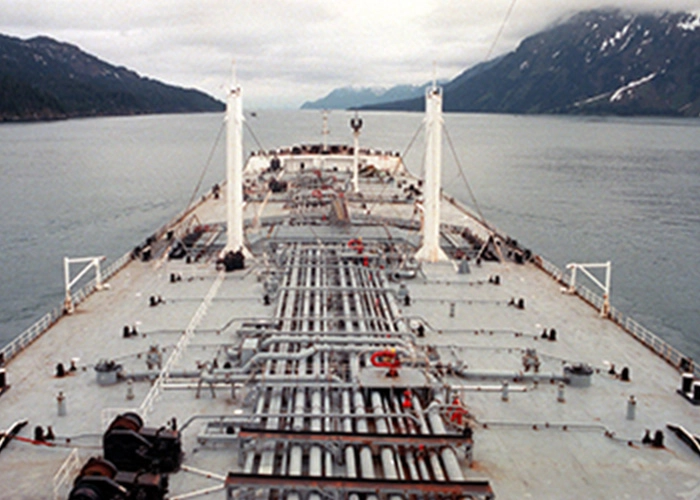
[298,327]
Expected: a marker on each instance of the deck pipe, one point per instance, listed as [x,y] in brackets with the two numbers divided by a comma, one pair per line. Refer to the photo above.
[507,375]
[296,452]
[423,429]
[328,424]
[405,427]
[315,460]
[355,398]
[343,340]
[267,458]
[350,456]
[408,427]
[366,461]
[449,459]
[388,458]
[327,319]
[261,403]
[386,453]
[316,452]
[371,306]
[350,463]
[431,456]
[364,304]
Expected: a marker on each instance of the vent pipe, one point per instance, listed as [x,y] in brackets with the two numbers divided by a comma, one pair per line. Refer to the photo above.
[234,169]
[431,251]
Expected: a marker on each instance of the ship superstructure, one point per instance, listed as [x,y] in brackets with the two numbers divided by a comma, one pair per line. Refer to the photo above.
[330,325]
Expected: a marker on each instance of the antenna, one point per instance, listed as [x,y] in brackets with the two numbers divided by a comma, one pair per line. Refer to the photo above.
[434,74]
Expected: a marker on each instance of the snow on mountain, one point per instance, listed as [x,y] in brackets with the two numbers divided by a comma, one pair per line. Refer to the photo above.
[600,61]
[626,90]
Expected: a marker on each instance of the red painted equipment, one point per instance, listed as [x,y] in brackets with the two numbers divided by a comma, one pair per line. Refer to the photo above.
[387,359]
[407,399]
[357,245]
[457,412]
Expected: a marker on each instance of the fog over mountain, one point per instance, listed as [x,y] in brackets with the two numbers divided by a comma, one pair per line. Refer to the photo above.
[600,61]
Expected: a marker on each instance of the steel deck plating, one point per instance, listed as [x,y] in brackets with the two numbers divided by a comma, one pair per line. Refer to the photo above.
[335,365]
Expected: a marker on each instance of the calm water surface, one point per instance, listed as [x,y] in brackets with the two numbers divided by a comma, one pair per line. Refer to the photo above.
[572,189]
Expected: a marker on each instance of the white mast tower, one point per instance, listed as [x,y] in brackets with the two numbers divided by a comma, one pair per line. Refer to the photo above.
[234,168]
[430,251]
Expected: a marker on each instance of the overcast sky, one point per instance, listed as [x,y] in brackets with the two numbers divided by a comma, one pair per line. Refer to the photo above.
[289,51]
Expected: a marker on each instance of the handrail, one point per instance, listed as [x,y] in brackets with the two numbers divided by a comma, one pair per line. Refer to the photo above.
[660,347]
[180,347]
[34,331]
[49,319]
[663,349]
[62,478]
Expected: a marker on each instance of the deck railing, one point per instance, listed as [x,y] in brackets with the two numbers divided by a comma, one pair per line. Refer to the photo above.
[662,348]
[64,475]
[49,319]
[672,355]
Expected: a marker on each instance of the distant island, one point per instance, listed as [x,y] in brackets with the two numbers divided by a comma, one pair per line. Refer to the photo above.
[606,62]
[44,79]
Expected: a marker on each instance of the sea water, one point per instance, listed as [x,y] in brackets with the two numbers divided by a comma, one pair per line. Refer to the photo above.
[573,189]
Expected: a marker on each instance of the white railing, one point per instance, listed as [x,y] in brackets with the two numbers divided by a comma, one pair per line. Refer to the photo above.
[164,375]
[62,480]
[46,321]
[672,355]
[659,346]
[49,319]
[551,269]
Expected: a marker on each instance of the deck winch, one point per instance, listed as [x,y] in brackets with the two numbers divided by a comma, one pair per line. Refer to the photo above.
[132,447]
[99,479]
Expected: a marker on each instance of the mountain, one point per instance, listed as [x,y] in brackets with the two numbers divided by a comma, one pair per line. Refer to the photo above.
[352,97]
[601,61]
[41,78]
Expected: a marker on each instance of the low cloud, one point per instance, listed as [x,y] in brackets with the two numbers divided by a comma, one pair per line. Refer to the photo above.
[289,51]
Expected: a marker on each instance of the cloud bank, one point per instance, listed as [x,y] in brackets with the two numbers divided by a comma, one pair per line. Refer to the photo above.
[288,51]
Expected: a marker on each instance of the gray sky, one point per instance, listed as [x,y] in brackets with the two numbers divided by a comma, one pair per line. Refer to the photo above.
[289,51]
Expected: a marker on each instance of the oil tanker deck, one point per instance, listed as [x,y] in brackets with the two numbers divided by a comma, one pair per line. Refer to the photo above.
[327,325]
